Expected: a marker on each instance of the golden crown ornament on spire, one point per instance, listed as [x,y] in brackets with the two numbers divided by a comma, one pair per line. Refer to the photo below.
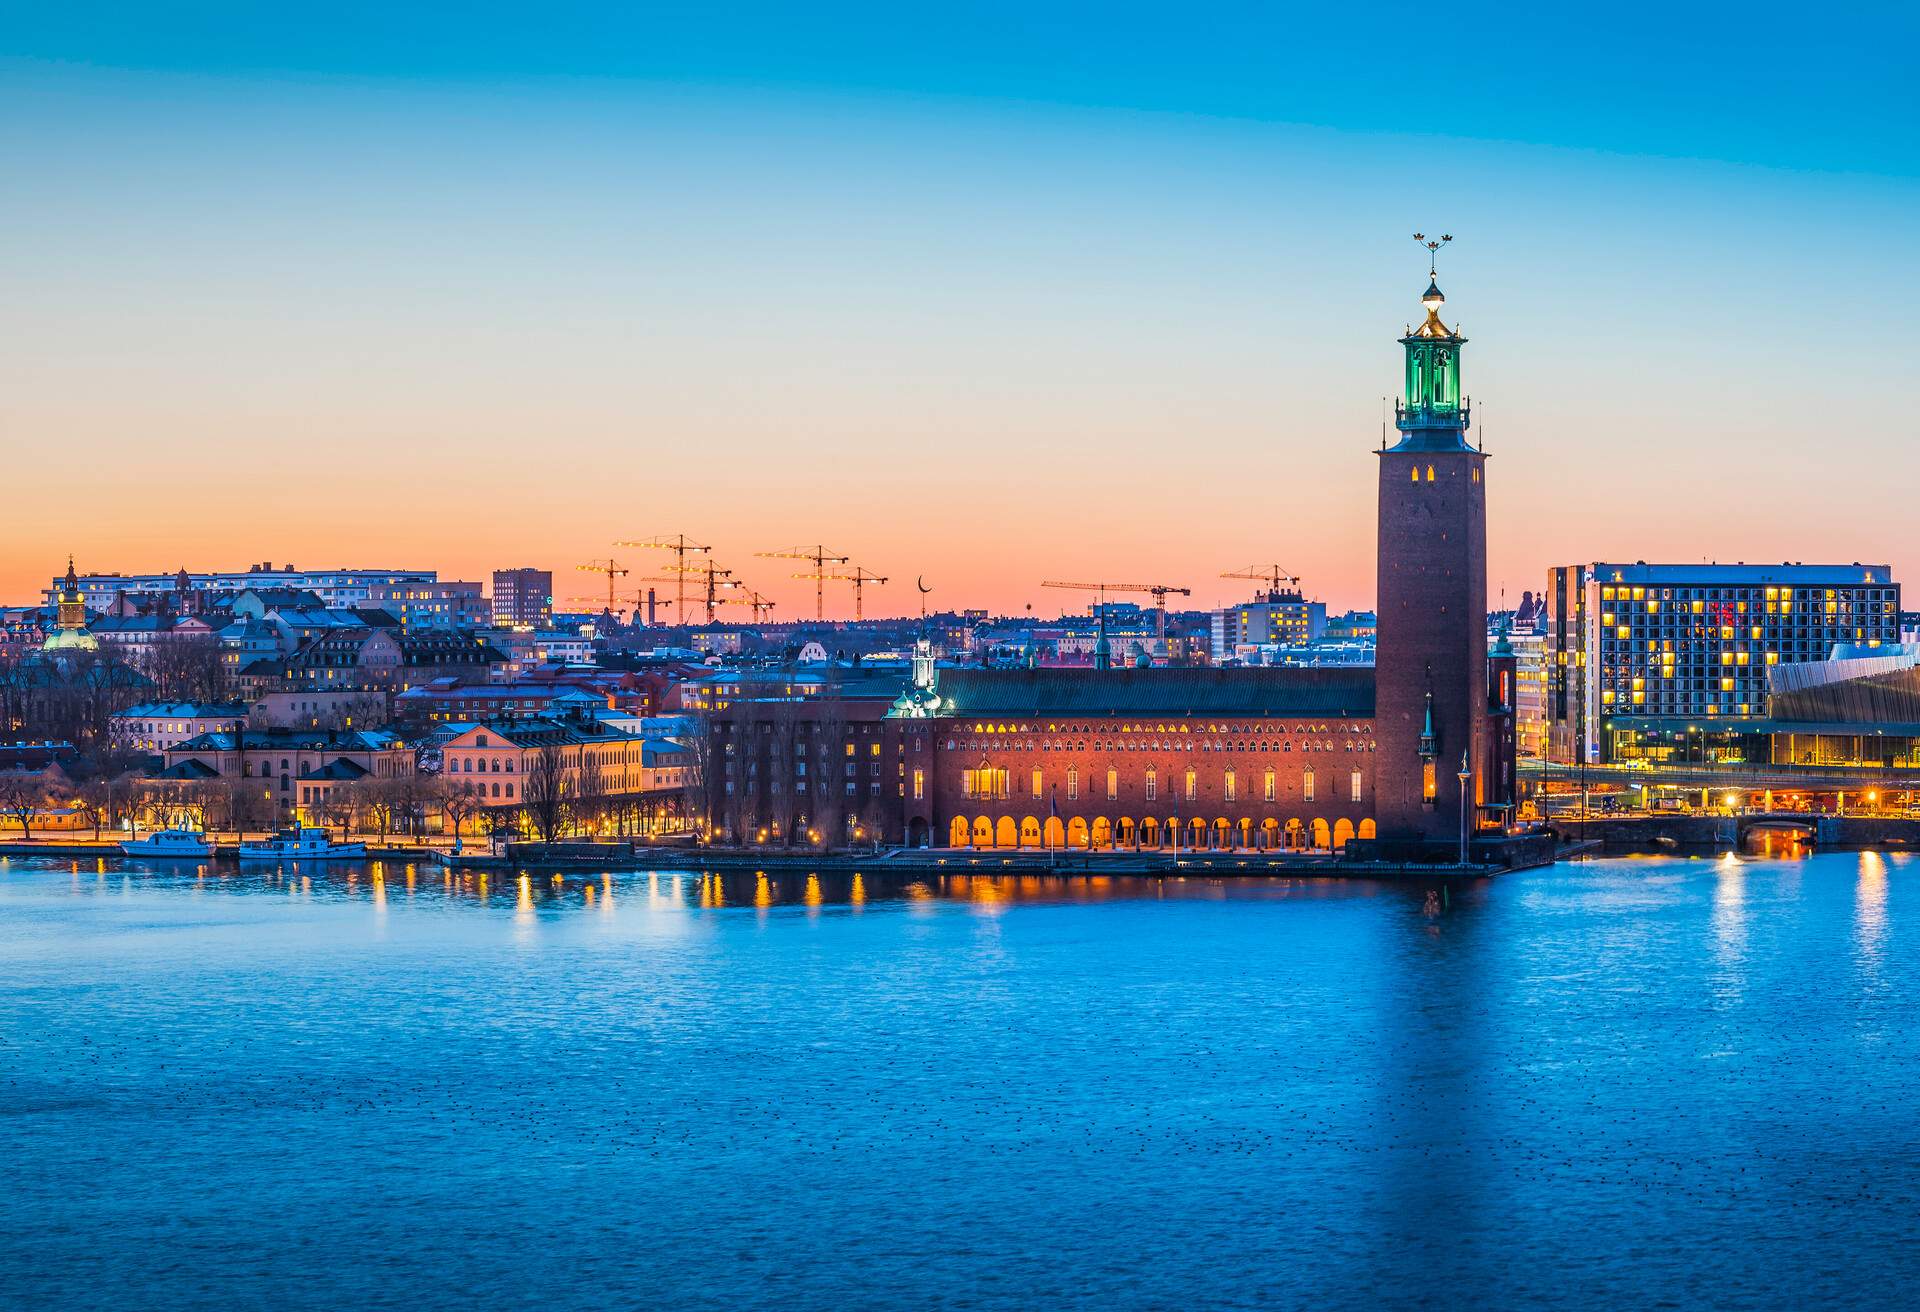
[1433,299]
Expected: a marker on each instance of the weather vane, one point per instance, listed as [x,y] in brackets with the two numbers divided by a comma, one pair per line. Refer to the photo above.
[1433,250]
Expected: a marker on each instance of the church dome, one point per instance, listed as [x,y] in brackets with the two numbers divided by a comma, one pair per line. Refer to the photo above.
[70,640]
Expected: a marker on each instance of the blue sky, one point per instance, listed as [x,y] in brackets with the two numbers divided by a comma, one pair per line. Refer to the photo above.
[1784,85]
[989,293]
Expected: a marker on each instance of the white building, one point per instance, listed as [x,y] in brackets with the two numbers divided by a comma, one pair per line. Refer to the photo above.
[153,727]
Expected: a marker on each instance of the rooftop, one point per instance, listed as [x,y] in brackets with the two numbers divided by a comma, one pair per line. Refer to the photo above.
[1159,690]
[1794,573]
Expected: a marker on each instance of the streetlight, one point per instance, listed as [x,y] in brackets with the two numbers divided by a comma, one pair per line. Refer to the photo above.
[1465,775]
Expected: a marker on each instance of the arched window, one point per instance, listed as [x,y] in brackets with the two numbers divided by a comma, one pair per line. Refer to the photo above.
[1306,784]
[1153,783]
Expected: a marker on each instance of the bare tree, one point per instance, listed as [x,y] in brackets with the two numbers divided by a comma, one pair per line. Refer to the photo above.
[248,806]
[410,794]
[22,794]
[592,792]
[15,681]
[745,747]
[836,771]
[186,669]
[94,799]
[336,809]
[458,804]
[704,777]
[545,791]
[365,711]
[372,799]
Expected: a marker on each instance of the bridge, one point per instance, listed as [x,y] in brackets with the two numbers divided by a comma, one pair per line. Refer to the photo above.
[1719,777]
[1724,832]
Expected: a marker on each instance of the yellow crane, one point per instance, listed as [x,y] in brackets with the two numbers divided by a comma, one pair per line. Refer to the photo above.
[681,547]
[1272,575]
[1159,591]
[822,561]
[859,577]
[613,569]
[762,606]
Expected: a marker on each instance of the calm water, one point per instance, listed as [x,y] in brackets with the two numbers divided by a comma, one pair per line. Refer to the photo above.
[1624,1083]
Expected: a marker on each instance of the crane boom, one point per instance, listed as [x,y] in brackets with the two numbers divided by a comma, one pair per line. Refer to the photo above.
[1272,575]
[681,547]
[613,569]
[1159,592]
[859,576]
[821,559]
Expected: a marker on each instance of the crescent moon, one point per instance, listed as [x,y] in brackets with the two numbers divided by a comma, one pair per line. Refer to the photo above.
[920,582]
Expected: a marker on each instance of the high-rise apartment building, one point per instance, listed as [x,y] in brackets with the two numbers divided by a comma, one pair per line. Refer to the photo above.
[523,598]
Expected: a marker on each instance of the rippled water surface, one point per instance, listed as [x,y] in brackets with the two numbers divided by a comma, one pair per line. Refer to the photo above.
[1621,1083]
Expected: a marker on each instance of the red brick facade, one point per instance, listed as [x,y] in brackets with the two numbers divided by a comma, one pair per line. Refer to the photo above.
[1432,637]
[1152,782]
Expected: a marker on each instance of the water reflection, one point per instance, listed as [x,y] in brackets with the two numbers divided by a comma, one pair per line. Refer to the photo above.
[1730,917]
[526,892]
[1870,913]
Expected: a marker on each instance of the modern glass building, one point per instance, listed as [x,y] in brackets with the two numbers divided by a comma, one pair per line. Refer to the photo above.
[1664,661]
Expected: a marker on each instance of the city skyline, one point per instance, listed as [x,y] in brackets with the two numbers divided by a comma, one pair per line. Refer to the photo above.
[986,323]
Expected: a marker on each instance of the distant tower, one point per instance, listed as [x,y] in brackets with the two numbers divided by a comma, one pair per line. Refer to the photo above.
[70,618]
[1431,652]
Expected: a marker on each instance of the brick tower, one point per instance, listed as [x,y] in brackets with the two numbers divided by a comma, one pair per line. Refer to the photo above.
[1431,653]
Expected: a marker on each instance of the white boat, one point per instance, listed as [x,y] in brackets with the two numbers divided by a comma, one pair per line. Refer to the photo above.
[302,844]
[190,843]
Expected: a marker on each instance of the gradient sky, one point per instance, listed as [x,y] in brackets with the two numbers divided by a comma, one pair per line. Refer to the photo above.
[985,294]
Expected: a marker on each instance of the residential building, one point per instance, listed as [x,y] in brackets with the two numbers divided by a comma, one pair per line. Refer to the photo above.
[297,770]
[523,649]
[154,727]
[523,598]
[424,604]
[497,757]
[1277,617]
[343,588]
[320,708]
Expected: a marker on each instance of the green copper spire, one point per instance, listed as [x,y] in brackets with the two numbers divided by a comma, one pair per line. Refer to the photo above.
[1434,414]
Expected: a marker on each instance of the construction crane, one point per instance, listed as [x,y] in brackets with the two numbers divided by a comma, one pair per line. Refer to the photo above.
[1272,575]
[637,598]
[1159,591]
[613,569]
[858,576]
[713,579]
[681,548]
[762,606]
[822,560]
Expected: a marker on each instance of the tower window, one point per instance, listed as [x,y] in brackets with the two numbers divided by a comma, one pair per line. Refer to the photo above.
[1429,473]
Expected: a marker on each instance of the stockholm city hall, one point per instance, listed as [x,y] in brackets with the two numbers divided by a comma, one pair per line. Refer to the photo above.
[1405,761]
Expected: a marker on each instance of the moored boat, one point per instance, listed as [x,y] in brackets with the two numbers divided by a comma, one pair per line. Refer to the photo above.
[301,844]
[189,843]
